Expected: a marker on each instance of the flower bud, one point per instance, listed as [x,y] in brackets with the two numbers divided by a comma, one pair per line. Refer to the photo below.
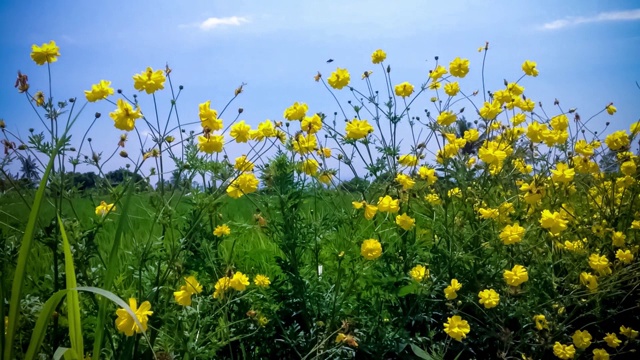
[98,115]
[124,154]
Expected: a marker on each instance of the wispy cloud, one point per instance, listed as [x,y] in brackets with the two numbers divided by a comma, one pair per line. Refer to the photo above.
[601,17]
[216,22]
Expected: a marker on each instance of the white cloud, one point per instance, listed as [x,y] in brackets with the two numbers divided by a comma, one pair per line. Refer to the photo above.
[604,16]
[214,22]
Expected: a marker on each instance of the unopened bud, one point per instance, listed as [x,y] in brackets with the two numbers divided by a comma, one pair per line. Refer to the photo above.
[240,110]
[124,154]
[22,147]
[98,115]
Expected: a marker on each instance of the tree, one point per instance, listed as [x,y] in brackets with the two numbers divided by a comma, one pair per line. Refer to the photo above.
[29,170]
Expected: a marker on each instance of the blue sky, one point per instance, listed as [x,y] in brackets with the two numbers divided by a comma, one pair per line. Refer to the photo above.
[587,51]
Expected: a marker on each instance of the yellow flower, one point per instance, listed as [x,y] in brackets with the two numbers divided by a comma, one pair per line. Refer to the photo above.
[297,111]
[564,351]
[221,230]
[182,297]
[221,286]
[450,292]
[459,67]
[243,164]
[239,281]
[600,354]
[456,327]
[489,298]
[435,85]
[310,166]
[628,168]
[541,322]
[512,234]
[418,273]
[325,177]
[492,153]
[210,144]
[357,129]
[471,135]
[404,89]
[304,144]
[209,117]
[452,88]
[560,122]
[47,53]
[378,56]
[339,78]
[104,208]
[455,192]
[562,173]
[370,211]
[124,116]
[405,221]
[628,332]
[612,340]
[192,286]
[406,181]
[624,256]
[488,213]
[408,160]
[600,263]
[516,276]
[581,339]
[324,152]
[446,118]
[427,174]
[261,281]
[388,204]
[530,68]
[617,238]
[371,249]
[246,183]
[358,204]
[554,222]
[589,280]
[149,80]
[99,91]
[311,124]
[617,140]
[611,109]
[437,73]
[125,322]
[489,111]
[433,199]
[240,131]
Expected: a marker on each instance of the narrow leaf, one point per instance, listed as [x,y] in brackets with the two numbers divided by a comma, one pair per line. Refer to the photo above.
[73,300]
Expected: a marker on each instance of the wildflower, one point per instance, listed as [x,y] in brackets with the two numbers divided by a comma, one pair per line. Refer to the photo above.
[492,153]
[512,234]
[347,339]
[261,281]
[104,208]
[471,135]
[521,166]
[530,68]
[625,256]
[554,222]
[221,286]
[370,211]
[169,139]
[239,281]
[446,118]
[124,116]
[240,131]
[404,89]
[617,238]
[437,73]
[433,199]
[600,263]
[325,152]
[628,332]
[600,354]
[562,173]
[450,292]
[516,276]
[149,80]
[371,249]
[408,160]
[435,85]
[99,91]
[489,111]
[459,67]
[246,183]
[427,174]
[125,322]
[456,327]
[581,339]
[388,204]
[47,53]
[183,296]
[418,273]
[311,124]
[297,111]
[628,168]
[488,213]
[611,109]
[339,79]
[405,221]
[209,117]
[262,320]
[357,129]
[357,204]
[406,181]
[310,166]
[455,192]
[541,322]
[38,98]
[304,144]
[378,56]
[243,164]
[515,90]
[489,298]
[210,144]
[612,340]
[617,140]
[452,88]
[526,105]
[589,280]
[221,230]
[563,351]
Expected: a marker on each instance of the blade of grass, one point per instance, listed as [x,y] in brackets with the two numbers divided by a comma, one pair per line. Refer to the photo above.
[73,300]
[111,272]
[25,249]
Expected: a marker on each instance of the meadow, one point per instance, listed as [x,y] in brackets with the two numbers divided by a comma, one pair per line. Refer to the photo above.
[414,222]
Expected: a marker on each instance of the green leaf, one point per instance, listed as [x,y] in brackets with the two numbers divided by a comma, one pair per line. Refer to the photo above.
[73,300]
[420,353]
[407,289]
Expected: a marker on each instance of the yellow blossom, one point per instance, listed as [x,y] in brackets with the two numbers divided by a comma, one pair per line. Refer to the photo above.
[388,204]
[419,273]
[427,174]
[221,286]
[612,340]
[357,129]
[489,298]
[246,183]
[124,116]
[489,111]
[297,111]
[371,249]
[261,281]
[554,222]
[191,287]
[324,152]
[239,281]
[406,181]
[209,117]
[457,328]
[311,124]
[628,332]
[589,280]
[541,322]
[625,256]
[404,89]
[150,81]
[617,238]
[104,208]
[530,68]
[617,140]
[126,324]
[563,351]
[437,73]
[47,53]
[378,56]
[243,164]
[562,173]
[450,292]
[99,91]
[600,263]
[600,354]
[210,144]
[433,199]
[357,204]
[405,221]
[459,67]
[446,118]
[222,230]
[408,160]
[611,109]
[370,211]
[240,131]
[512,234]
[516,276]
[339,78]
[581,339]
[304,144]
